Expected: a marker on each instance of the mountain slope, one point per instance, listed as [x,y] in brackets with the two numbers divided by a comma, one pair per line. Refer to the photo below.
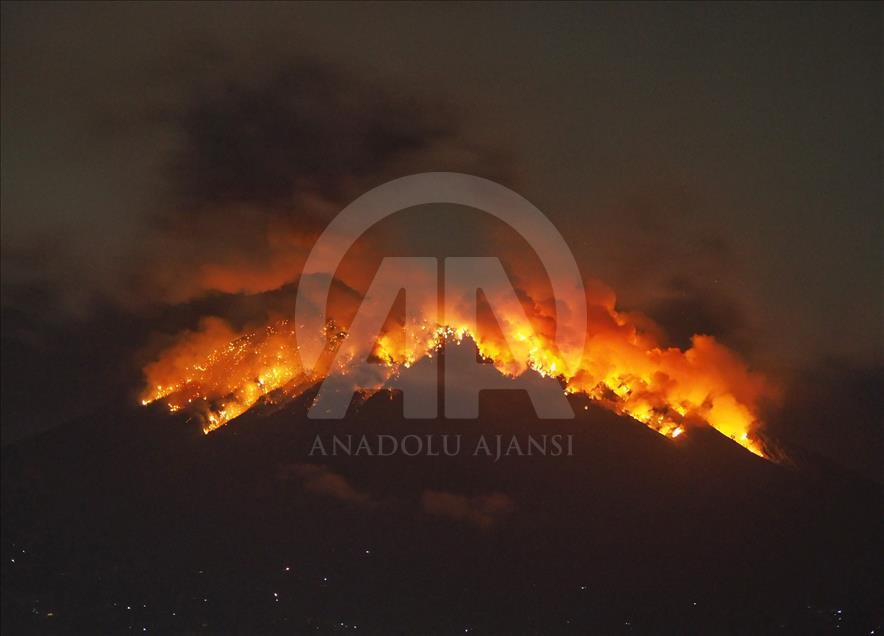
[242,530]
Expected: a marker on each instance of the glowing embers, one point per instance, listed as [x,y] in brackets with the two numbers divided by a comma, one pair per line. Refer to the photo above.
[216,373]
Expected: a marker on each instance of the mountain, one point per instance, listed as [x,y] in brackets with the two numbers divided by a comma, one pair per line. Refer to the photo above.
[133,520]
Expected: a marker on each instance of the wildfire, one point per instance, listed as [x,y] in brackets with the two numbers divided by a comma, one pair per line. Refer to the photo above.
[217,373]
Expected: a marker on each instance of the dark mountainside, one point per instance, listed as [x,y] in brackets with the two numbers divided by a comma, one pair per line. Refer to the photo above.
[157,527]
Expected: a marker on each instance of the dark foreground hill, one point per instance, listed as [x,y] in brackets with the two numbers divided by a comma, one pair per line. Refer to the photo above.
[134,521]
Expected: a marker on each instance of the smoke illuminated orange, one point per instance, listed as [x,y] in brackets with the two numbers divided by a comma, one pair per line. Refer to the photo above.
[217,374]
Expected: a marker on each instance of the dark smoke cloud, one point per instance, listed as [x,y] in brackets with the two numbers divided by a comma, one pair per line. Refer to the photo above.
[303,131]
[683,309]
[264,163]
[224,169]
[655,248]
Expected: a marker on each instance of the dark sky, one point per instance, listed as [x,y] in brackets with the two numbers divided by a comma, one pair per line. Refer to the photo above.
[718,165]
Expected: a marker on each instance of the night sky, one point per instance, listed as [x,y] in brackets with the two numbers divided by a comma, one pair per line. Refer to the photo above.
[745,136]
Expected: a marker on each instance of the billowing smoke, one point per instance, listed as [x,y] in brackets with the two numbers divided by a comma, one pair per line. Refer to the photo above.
[624,366]
[264,164]
[256,166]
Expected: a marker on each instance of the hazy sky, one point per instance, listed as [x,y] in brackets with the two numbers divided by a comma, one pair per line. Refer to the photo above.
[716,164]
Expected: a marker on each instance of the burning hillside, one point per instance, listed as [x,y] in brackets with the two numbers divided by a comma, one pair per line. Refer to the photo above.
[217,373]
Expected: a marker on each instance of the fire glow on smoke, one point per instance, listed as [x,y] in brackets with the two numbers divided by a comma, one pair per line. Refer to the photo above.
[217,373]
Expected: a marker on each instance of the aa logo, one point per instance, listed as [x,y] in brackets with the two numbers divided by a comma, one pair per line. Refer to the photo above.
[418,277]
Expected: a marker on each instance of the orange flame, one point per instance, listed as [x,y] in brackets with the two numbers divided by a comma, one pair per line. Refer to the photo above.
[217,373]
